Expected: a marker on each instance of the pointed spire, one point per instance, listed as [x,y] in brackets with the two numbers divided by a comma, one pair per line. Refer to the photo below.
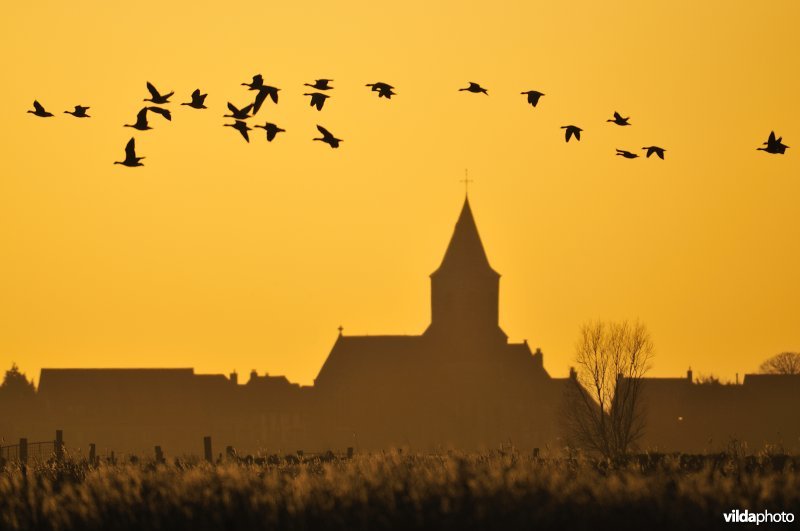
[465,252]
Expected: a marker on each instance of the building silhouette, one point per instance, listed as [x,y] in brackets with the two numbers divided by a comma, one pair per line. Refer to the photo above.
[459,384]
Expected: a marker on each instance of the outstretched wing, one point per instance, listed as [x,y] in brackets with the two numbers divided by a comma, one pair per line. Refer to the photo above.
[163,112]
[325,133]
[617,116]
[38,106]
[130,149]
[232,108]
[141,116]
[196,94]
[260,97]
[273,93]
[153,90]
[577,133]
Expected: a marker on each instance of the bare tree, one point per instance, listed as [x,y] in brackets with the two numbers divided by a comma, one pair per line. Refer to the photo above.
[603,407]
[783,363]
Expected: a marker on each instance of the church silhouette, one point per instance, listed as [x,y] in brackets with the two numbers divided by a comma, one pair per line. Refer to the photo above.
[460,383]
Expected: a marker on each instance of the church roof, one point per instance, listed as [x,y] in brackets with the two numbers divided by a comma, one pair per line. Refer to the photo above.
[369,358]
[465,251]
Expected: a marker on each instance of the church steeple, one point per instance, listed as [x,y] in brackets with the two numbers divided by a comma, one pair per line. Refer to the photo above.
[465,288]
[465,252]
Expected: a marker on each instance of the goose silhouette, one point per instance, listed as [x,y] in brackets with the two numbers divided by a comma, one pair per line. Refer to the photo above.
[39,110]
[533,96]
[659,152]
[475,88]
[131,160]
[619,120]
[240,126]
[157,97]
[263,92]
[238,114]
[384,90]
[257,83]
[572,130]
[774,145]
[198,100]
[320,84]
[79,112]
[271,130]
[328,137]
[317,99]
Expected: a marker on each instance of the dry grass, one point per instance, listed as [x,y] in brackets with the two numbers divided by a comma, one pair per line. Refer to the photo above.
[397,491]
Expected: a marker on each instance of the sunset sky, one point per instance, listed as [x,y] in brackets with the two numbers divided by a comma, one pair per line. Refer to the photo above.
[223,255]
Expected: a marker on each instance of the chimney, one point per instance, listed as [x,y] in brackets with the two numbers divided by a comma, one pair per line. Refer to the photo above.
[234,378]
[689,375]
[573,374]
[737,378]
[253,375]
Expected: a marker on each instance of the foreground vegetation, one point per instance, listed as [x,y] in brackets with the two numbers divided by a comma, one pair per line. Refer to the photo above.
[398,491]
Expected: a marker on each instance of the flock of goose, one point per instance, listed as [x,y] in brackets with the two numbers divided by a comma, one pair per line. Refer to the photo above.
[774,145]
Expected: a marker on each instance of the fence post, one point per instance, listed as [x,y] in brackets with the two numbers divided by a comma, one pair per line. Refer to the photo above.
[59,446]
[92,454]
[159,455]
[207,449]
[23,451]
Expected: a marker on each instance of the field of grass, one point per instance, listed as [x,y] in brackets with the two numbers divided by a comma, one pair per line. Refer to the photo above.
[399,491]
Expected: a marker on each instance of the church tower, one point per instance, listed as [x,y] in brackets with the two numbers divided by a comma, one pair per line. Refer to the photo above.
[465,289]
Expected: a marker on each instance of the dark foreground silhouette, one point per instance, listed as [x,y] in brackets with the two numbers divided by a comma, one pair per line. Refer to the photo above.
[504,491]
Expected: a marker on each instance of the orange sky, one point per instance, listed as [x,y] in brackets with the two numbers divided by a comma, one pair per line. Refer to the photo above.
[222,255]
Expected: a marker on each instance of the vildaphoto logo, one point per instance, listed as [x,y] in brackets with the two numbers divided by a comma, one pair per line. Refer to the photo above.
[764,517]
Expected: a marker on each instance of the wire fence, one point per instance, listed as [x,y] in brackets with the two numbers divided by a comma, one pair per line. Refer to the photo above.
[37,451]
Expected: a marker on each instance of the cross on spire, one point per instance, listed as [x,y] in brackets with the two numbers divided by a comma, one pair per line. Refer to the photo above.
[466,180]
